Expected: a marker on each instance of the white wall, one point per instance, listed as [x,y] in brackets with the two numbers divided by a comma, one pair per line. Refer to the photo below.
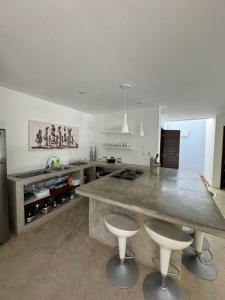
[209,149]
[144,146]
[15,111]
[220,123]
[192,147]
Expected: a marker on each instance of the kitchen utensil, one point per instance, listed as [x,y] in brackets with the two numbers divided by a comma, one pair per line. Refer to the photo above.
[46,209]
[31,213]
[111,160]
[31,218]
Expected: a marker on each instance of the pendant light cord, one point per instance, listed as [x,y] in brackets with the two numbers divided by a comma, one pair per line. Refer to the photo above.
[125,100]
[125,128]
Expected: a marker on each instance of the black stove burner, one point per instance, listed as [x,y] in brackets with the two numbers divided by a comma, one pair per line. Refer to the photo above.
[128,174]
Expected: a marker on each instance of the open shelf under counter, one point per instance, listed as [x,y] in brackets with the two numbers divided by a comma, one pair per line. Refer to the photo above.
[43,218]
[17,203]
[52,193]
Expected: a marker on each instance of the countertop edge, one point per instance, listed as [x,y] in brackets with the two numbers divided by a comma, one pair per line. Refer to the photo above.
[219,198]
[152,213]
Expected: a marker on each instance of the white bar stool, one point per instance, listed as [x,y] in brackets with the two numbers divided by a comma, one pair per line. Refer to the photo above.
[122,270]
[196,260]
[191,232]
[158,286]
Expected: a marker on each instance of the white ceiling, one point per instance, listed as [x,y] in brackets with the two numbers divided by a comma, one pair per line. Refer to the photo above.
[173,52]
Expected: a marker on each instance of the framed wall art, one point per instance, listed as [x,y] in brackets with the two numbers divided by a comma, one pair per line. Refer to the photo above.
[44,135]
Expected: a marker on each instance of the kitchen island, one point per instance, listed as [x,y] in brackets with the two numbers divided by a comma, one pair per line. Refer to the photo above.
[179,197]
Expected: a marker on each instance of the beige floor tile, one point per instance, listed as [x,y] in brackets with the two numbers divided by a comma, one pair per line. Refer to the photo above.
[59,261]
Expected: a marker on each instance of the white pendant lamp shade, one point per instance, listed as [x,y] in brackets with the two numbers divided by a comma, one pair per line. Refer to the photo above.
[141,130]
[125,127]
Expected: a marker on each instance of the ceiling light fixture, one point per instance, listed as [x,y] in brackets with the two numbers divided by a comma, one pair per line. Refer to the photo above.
[81,92]
[125,128]
[141,130]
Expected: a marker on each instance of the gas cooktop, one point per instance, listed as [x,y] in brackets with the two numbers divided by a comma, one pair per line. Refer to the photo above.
[128,174]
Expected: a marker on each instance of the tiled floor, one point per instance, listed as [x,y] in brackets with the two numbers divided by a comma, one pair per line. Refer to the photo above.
[59,261]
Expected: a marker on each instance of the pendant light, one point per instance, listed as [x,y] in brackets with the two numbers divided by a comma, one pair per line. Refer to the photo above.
[125,128]
[141,130]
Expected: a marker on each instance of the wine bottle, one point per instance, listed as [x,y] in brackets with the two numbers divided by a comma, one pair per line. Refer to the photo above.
[91,154]
[95,154]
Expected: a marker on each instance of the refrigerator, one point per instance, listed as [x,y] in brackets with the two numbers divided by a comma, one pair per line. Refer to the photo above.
[4,215]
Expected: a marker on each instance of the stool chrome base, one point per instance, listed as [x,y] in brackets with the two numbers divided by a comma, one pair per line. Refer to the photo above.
[192,262]
[122,275]
[152,288]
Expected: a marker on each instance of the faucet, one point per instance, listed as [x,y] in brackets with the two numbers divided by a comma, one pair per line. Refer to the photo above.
[51,159]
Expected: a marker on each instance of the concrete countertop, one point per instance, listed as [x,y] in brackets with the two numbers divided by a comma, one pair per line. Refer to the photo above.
[70,169]
[179,197]
[52,173]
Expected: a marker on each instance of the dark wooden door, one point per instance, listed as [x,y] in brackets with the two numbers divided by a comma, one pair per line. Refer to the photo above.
[170,148]
[223,162]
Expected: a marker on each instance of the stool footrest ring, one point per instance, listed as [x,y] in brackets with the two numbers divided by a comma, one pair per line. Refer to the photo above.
[156,262]
[201,257]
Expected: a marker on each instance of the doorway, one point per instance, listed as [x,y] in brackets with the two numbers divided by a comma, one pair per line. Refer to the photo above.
[170,148]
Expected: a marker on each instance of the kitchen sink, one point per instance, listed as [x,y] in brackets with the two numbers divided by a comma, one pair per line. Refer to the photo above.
[41,172]
[33,173]
[78,163]
[59,169]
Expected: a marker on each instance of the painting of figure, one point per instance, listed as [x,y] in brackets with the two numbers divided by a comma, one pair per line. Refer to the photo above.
[43,135]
